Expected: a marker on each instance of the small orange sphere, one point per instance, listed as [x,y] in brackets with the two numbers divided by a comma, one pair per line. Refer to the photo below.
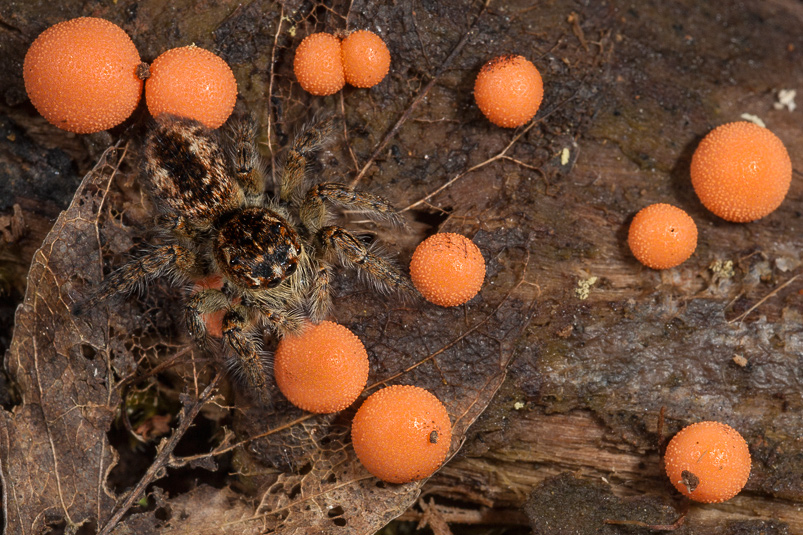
[662,236]
[401,433]
[708,462]
[81,75]
[509,90]
[323,369]
[448,269]
[741,171]
[212,320]
[366,58]
[194,83]
[318,64]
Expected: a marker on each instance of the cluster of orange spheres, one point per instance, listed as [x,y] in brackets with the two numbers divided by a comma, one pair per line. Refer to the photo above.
[400,433]
[740,171]
[708,462]
[323,63]
[85,75]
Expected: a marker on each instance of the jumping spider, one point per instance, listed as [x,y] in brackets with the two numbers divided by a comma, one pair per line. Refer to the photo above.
[274,253]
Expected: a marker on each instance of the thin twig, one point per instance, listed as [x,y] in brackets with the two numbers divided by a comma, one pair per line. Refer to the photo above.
[775,291]
[406,115]
[163,457]
[474,168]
[346,132]
[499,156]
[270,94]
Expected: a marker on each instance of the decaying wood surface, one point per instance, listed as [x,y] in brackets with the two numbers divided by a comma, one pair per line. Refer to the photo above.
[599,359]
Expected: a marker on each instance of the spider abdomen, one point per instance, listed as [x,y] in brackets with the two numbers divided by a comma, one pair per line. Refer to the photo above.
[186,171]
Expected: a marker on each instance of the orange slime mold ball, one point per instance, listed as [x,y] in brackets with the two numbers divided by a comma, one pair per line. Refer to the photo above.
[194,83]
[741,171]
[81,75]
[708,462]
[318,64]
[448,269]
[401,433]
[323,369]
[366,59]
[509,90]
[662,236]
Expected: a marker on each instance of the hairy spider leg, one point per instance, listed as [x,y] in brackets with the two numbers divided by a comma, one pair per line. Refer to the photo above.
[320,297]
[248,363]
[350,251]
[313,212]
[207,301]
[312,138]
[130,276]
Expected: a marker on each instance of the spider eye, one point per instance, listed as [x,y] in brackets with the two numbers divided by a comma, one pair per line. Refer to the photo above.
[234,261]
[291,269]
[274,283]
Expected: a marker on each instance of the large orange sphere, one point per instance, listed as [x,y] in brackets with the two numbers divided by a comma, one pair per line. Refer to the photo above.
[509,90]
[741,171]
[81,75]
[194,83]
[323,369]
[401,433]
[708,462]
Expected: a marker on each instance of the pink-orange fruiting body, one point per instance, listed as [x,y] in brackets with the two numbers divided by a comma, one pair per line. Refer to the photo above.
[191,82]
[509,90]
[80,75]
[741,171]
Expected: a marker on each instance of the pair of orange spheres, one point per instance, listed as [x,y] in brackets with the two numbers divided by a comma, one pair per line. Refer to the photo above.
[85,75]
[400,433]
[740,171]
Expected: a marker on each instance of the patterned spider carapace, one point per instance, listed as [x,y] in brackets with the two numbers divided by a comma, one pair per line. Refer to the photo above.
[274,253]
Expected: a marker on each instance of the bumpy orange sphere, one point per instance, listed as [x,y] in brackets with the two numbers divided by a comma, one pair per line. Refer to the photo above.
[708,462]
[81,75]
[323,369]
[366,58]
[318,64]
[194,83]
[741,171]
[448,269]
[509,90]
[401,433]
[662,236]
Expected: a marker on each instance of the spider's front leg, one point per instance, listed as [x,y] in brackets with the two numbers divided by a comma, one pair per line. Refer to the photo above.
[131,275]
[313,210]
[352,252]
[207,301]
[248,363]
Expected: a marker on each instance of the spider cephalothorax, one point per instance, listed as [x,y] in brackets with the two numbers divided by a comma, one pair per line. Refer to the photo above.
[274,254]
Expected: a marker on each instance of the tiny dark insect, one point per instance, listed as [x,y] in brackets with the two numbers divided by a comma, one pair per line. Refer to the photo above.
[275,254]
[690,480]
[433,437]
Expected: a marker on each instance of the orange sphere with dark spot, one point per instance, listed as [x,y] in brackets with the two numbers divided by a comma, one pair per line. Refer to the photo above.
[741,171]
[323,369]
[318,64]
[81,75]
[662,236]
[708,462]
[366,58]
[509,90]
[448,269]
[194,83]
[401,433]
